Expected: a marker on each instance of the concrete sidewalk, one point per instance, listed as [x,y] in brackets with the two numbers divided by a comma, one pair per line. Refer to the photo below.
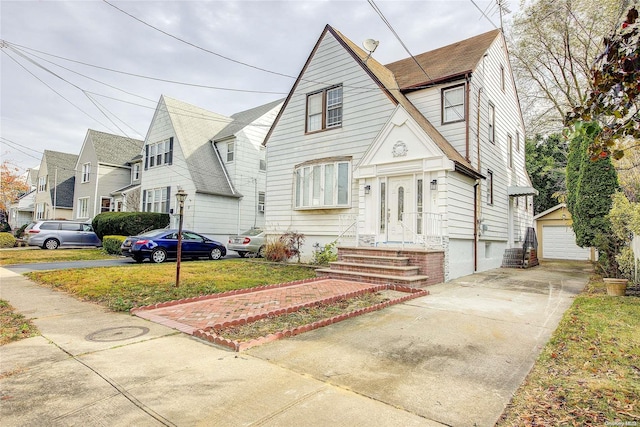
[452,358]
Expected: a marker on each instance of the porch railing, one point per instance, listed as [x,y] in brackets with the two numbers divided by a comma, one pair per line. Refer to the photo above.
[423,228]
[348,224]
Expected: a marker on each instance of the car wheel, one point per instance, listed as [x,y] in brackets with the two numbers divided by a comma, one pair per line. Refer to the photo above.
[50,244]
[261,252]
[215,253]
[158,255]
[242,254]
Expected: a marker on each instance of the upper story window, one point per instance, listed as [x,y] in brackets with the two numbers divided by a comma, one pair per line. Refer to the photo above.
[261,198]
[159,153]
[231,151]
[324,109]
[489,187]
[323,184]
[42,183]
[86,172]
[492,123]
[135,172]
[453,104]
[263,160]
[510,151]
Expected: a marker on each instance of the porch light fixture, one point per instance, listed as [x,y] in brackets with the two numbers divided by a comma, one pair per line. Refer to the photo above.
[181,196]
[434,184]
[367,189]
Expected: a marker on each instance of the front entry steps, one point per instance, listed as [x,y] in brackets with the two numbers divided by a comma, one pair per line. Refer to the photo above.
[405,267]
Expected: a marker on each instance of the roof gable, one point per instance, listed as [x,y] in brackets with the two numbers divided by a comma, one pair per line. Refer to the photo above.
[245,118]
[61,176]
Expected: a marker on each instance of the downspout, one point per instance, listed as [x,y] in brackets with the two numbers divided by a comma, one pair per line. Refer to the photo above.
[466,115]
[475,226]
[95,195]
[55,192]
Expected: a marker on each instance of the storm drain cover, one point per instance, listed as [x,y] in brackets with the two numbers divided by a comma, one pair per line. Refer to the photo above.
[120,333]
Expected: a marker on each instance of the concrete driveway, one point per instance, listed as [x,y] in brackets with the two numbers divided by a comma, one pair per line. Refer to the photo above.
[452,358]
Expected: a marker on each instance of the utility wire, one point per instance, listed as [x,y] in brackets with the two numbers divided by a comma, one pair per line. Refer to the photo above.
[483,13]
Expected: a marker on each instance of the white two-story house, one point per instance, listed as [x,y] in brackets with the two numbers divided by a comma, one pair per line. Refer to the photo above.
[103,166]
[215,159]
[403,155]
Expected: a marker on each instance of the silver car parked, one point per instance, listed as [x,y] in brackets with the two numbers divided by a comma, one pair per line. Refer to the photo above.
[53,234]
[251,241]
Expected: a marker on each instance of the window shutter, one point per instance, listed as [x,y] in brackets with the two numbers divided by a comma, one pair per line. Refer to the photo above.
[146,157]
[170,153]
[144,200]
[169,194]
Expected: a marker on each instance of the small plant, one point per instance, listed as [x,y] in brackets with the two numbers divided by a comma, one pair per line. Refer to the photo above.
[276,251]
[325,255]
[111,244]
[20,231]
[7,240]
[292,241]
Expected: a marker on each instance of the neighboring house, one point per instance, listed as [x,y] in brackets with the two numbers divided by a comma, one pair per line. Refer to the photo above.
[193,149]
[427,156]
[244,157]
[127,198]
[556,238]
[21,210]
[54,186]
[103,167]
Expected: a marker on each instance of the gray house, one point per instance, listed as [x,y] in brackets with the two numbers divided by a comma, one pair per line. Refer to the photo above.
[55,184]
[103,166]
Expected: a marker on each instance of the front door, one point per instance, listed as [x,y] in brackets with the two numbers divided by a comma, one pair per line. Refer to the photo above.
[400,207]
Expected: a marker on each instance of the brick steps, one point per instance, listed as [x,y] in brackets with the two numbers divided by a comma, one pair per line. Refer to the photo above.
[414,268]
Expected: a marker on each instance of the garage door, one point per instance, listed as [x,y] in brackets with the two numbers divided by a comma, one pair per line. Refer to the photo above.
[559,242]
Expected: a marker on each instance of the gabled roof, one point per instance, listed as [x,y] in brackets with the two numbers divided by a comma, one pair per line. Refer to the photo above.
[244,119]
[194,127]
[114,149]
[443,63]
[61,176]
[388,81]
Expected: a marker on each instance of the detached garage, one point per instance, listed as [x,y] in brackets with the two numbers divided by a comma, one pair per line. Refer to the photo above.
[555,233]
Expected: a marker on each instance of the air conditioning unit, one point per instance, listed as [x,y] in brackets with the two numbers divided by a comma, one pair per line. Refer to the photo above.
[261,208]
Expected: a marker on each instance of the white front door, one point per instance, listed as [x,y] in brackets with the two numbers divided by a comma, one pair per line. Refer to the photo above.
[401,201]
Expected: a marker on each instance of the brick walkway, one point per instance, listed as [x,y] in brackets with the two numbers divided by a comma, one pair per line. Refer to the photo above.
[196,314]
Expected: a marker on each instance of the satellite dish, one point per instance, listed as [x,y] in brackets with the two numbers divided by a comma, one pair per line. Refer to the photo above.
[370,45]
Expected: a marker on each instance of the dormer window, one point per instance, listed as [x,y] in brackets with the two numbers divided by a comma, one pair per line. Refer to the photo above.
[453,104]
[324,109]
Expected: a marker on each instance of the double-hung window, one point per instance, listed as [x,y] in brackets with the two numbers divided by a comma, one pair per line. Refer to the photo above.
[324,109]
[159,153]
[453,104]
[135,172]
[156,200]
[83,207]
[42,184]
[231,151]
[323,184]
[490,187]
[492,123]
[86,172]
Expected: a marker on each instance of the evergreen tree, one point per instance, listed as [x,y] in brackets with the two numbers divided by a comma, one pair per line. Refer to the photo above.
[546,160]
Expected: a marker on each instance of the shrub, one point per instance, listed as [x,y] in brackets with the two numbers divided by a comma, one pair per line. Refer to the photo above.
[325,255]
[20,231]
[292,242]
[4,226]
[128,223]
[7,240]
[111,244]
[276,251]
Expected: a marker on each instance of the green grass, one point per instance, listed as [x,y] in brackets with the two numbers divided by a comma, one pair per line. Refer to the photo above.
[14,326]
[30,256]
[589,372]
[122,288]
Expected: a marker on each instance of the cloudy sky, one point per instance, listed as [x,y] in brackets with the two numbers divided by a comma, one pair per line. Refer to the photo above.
[69,66]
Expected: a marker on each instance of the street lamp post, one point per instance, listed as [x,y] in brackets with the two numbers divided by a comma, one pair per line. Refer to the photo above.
[181,196]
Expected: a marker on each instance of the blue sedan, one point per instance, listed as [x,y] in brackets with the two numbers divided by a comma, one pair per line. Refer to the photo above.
[160,245]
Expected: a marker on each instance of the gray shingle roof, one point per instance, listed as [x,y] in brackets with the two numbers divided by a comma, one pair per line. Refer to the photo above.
[245,118]
[194,127]
[114,149]
[61,176]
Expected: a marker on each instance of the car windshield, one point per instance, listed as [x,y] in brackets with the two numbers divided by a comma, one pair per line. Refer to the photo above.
[252,232]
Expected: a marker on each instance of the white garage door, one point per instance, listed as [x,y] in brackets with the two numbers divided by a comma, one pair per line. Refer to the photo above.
[559,242]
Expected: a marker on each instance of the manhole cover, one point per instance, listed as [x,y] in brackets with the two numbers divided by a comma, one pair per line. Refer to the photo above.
[117,334]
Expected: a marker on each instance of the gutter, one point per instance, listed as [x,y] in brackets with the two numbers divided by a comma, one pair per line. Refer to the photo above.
[226,175]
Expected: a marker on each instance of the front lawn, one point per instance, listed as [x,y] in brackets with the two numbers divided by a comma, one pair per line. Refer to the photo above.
[122,288]
[589,372]
[29,256]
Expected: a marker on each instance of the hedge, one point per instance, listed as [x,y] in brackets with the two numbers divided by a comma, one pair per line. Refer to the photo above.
[7,240]
[128,223]
[111,244]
